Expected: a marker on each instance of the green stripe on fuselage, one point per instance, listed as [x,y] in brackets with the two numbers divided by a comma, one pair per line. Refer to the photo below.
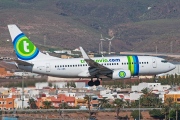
[130,65]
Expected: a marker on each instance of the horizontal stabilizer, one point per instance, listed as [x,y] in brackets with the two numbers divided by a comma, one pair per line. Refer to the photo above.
[18,62]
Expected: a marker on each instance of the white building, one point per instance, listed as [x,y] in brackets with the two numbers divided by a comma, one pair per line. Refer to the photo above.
[80,84]
[33,93]
[155,88]
[135,96]
[63,51]
[151,86]
[27,74]
[108,94]
[41,85]
[19,103]
[59,84]
[70,94]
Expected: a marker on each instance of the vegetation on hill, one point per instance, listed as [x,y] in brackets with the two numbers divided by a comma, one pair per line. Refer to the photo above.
[73,23]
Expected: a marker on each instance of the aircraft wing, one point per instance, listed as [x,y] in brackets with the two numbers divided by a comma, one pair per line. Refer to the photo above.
[95,68]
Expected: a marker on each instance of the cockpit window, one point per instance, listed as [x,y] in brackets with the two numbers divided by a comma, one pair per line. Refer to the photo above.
[164,61]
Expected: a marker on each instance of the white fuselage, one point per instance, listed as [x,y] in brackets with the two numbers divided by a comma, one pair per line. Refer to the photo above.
[68,68]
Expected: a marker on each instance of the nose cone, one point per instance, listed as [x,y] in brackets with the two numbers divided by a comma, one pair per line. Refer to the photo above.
[172,66]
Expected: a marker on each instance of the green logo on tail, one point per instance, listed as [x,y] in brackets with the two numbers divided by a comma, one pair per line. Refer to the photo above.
[24,48]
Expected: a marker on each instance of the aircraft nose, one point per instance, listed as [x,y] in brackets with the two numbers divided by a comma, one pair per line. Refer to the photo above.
[172,66]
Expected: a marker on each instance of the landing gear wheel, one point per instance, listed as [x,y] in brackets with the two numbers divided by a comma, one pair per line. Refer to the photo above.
[90,83]
[97,83]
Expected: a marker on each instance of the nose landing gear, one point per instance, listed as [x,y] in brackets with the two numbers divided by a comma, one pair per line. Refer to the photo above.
[155,78]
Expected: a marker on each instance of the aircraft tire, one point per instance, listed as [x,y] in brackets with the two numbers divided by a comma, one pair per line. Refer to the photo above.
[90,83]
[97,83]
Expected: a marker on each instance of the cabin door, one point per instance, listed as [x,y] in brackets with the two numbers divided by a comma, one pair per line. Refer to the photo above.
[154,63]
[48,68]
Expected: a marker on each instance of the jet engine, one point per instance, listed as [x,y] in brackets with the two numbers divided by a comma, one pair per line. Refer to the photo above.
[121,74]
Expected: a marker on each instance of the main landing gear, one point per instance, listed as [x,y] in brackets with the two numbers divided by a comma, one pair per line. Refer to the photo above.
[96,82]
[155,78]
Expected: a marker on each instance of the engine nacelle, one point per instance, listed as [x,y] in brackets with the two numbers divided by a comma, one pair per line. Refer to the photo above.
[121,74]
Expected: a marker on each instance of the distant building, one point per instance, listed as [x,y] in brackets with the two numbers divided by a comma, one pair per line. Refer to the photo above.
[63,51]
[155,88]
[56,100]
[58,79]
[4,73]
[6,103]
[77,49]
[151,86]
[27,74]
[66,56]
[135,96]
[175,95]
[80,84]
[41,85]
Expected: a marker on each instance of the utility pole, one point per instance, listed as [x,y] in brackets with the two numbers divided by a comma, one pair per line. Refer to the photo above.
[44,40]
[156,49]
[171,46]
[139,108]
[23,90]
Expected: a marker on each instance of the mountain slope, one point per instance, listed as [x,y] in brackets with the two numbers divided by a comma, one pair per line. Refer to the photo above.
[138,25]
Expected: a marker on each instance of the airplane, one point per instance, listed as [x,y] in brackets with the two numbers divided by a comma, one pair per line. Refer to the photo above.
[31,59]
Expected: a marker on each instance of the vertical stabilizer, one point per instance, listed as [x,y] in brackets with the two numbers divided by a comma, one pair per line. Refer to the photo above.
[25,50]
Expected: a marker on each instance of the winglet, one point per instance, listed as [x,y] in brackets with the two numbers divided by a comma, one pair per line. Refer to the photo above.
[85,56]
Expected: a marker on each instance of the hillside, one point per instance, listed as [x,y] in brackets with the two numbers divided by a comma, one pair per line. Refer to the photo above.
[138,25]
